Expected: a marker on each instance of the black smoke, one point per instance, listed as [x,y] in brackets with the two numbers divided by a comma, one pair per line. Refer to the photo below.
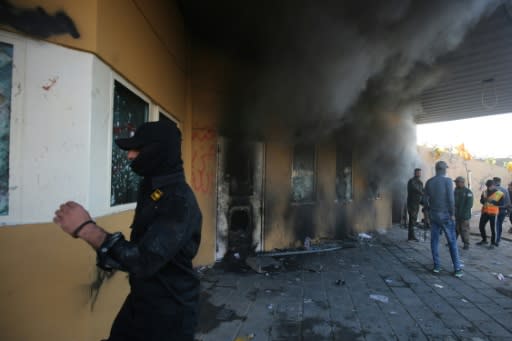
[36,21]
[307,70]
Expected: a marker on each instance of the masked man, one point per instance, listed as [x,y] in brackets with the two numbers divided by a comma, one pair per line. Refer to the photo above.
[166,232]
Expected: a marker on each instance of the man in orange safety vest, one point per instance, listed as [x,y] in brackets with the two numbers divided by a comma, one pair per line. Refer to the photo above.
[491,200]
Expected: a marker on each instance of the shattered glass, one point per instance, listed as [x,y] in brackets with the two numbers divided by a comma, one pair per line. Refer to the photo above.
[6,66]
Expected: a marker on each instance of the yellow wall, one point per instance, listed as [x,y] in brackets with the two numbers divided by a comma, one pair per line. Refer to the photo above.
[45,284]
[283,220]
[46,274]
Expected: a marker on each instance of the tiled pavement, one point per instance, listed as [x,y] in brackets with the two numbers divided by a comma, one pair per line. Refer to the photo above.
[326,296]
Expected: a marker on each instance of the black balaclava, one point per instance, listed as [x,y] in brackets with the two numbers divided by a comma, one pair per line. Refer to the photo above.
[159,146]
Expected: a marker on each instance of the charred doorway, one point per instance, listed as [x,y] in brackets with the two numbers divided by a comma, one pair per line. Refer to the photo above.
[239,198]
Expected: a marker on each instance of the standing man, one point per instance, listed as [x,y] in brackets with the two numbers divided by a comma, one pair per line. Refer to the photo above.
[414,199]
[166,232]
[463,205]
[503,209]
[510,208]
[441,208]
[491,199]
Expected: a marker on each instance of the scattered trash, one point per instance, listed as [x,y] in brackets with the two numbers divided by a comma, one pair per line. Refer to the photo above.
[225,314]
[340,282]
[307,243]
[393,313]
[270,306]
[438,286]
[363,235]
[500,277]
[246,338]
[315,268]
[388,280]
[262,264]
[268,291]
[308,300]
[464,300]
[236,255]
[380,298]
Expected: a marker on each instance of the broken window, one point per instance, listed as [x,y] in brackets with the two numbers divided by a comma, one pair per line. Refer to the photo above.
[303,174]
[130,111]
[6,66]
[344,190]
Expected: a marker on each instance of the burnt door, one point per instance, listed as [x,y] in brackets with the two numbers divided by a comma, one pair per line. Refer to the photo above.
[239,197]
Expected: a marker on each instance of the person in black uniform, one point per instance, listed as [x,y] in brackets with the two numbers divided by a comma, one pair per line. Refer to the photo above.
[166,232]
[414,200]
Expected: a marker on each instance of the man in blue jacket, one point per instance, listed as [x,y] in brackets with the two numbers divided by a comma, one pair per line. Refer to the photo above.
[441,207]
[166,232]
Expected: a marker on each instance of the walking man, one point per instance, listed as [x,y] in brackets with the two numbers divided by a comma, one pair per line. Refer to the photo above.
[463,204]
[441,207]
[166,232]
[490,199]
[503,209]
[414,199]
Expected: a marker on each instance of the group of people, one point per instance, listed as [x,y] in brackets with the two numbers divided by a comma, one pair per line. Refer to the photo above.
[448,210]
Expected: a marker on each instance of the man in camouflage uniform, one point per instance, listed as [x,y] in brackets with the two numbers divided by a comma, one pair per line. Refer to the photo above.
[414,199]
[463,205]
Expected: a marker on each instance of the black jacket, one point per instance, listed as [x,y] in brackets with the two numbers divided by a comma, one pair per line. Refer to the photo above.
[165,237]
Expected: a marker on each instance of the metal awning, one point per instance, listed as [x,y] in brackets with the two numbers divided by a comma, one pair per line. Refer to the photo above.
[477,77]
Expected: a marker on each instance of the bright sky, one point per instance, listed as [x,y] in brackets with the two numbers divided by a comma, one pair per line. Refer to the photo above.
[482,136]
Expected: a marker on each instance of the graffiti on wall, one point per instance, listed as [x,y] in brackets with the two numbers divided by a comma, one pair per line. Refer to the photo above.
[6,53]
[130,111]
[204,149]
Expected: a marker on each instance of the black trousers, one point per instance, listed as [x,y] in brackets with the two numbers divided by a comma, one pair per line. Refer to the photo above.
[139,320]
[484,218]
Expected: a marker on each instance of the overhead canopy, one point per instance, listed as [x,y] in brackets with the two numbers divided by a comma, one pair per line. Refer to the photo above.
[477,77]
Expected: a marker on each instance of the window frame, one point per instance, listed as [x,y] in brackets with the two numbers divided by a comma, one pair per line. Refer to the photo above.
[15,128]
[116,77]
[315,176]
[343,151]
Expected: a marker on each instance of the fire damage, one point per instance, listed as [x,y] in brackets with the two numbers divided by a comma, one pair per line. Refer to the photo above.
[344,73]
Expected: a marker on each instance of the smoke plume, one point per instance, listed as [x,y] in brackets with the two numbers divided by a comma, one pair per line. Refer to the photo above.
[351,69]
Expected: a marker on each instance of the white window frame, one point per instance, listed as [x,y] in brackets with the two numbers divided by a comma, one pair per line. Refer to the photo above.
[156,115]
[16,121]
[151,110]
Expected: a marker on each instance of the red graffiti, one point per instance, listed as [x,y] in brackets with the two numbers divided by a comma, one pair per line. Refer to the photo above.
[51,82]
[204,147]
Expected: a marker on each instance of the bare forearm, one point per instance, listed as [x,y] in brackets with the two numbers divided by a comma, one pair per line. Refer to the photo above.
[94,235]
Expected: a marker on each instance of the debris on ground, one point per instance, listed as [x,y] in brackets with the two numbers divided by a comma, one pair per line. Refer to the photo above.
[307,243]
[363,235]
[500,276]
[246,337]
[262,264]
[314,268]
[438,286]
[308,300]
[340,282]
[464,300]
[379,298]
